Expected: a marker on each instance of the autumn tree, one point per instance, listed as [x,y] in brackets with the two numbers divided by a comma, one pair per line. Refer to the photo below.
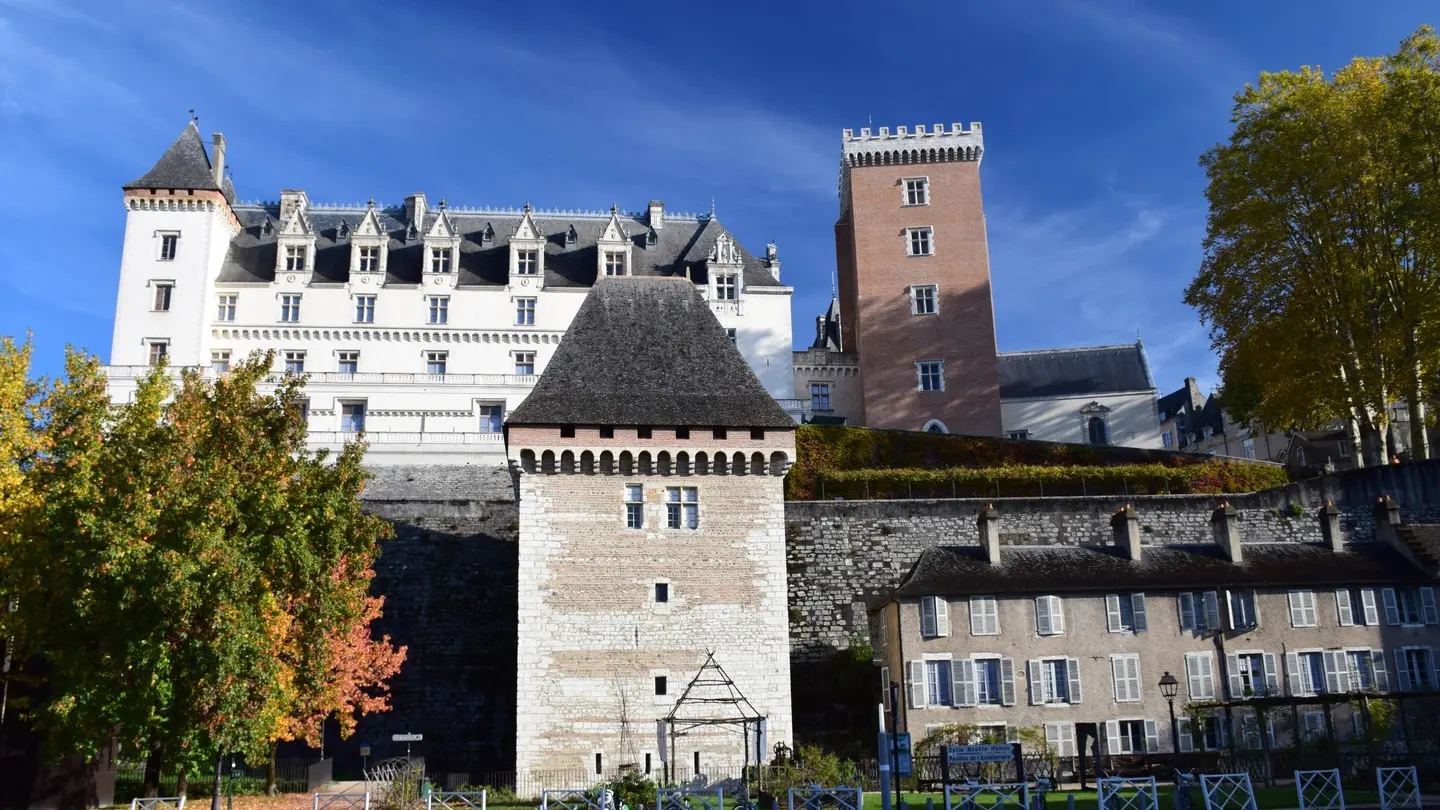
[1320,275]
[191,578]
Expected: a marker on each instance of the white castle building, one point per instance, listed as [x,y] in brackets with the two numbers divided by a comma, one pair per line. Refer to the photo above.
[420,325]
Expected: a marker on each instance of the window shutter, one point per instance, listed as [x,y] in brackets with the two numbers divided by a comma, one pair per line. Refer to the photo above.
[1427,606]
[1228,596]
[1369,612]
[1152,737]
[1379,675]
[1187,742]
[942,616]
[992,616]
[1137,604]
[1067,740]
[977,621]
[1133,667]
[1042,616]
[1052,738]
[1292,674]
[917,684]
[1334,672]
[1187,611]
[1037,685]
[1192,675]
[1435,675]
[1117,674]
[927,616]
[1112,612]
[1272,675]
[1212,611]
[1112,737]
[1402,672]
[1207,675]
[1297,618]
[1307,608]
[964,691]
[1073,667]
[1392,610]
[1232,669]
[1007,682]
[1344,611]
[1250,601]
[1057,613]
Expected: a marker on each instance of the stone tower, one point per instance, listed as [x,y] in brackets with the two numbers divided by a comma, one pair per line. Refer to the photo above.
[915,279]
[651,469]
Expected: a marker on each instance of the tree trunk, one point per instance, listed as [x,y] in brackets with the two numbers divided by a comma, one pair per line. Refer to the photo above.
[182,783]
[1415,392]
[154,761]
[271,789]
[1357,444]
[219,770]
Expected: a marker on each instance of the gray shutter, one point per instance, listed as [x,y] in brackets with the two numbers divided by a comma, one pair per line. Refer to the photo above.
[977,624]
[1369,612]
[1112,612]
[1187,742]
[1052,738]
[1137,604]
[1427,606]
[1007,682]
[942,616]
[1212,611]
[1228,597]
[1042,616]
[1297,611]
[927,616]
[1292,674]
[1402,672]
[1037,686]
[963,692]
[1117,676]
[917,684]
[1334,672]
[1073,670]
[1192,675]
[1152,737]
[1392,610]
[1112,737]
[1272,676]
[1344,611]
[1232,669]
[1378,673]
[1187,611]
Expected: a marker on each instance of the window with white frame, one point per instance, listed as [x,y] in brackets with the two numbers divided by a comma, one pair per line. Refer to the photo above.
[1167,439]
[1365,669]
[1018,434]
[1415,668]
[1214,734]
[436,362]
[924,299]
[634,506]
[295,258]
[220,361]
[1125,674]
[369,259]
[934,617]
[163,292]
[1306,671]
[440,260]
[917,191]
[1252,674]
[524,364]
[1312,725]
[1060,738]
[727,287]
[1302,609]
[614,262]
[492,418]
[931,375]
[352,417]
[290,308]
[938,684]
[819,396]
[169,243]
[1049,616]
[920,242]
[991,683]
[682,507]
[1126,613]
[1243,614]
[364,309]
[984,616]
[1129,736]
[439,309]
[225,310]
[347,362]
[1247,448]
[1054,680]
[527,262]
[159,351]
[524,311]
[295,362]
[1200,675]
[1409,606]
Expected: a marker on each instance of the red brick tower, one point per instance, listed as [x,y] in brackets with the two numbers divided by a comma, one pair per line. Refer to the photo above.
[915,279]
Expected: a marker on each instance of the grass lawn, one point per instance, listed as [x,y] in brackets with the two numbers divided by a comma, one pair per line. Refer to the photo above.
[1265,798]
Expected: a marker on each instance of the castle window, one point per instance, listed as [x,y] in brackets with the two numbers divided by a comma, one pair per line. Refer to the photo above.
[159,352]
[635,515]
[220,361]
[819,396]
[524,311]
[1095,430]
[920,242]
[352,417]
[662,592]
[168,243]
[226,310]
[163,291]
[720,433]
[294,362]
[614,263]
[758,434]
[682,433]
[295,258]
[1019,434]
[290,309]
[369,259]
[682,507]
[924,299]
[524,364]
[917,191]
[599,761]
[727,287]
[439,309]
[527,262]
[567,431]
[607,432]
[440,260]
[643,432]
[435,362]
[364,309]
[348,362]
[931,375]
[662,684]
[492,418]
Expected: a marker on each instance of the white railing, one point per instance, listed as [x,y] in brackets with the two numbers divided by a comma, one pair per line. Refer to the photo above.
[368,378]
[405,437]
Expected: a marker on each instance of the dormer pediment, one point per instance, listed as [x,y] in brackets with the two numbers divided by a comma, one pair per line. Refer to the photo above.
[614,230]
[370,225]
[442,227]
[526,230]
[725,251]
[296,224]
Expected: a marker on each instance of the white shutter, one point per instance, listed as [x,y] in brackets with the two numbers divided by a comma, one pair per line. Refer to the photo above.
[1112,737]
[1307,607]
[1117,675]
[1427,606]
[1392,610]
[1057,613]
[1007,682]
[1192,675]
[1052,738]
[1212,611]
[1187,611]
[964,682]
[1067,740]
[1042,615]
[1371,614]
[1229,598]
[1297,618]
[1207,676]
[977,621]
[1335,672]
[1073,670]
[942,616]
[927,616]
[1272,676]
[1187,742]
[992,616]
[1344,611]
[1112,612]
[1137,604]
[1037,684]
[1152,737]
[917,684]
[1232,669]
[1378,673]
[1402,672]
[1292,674]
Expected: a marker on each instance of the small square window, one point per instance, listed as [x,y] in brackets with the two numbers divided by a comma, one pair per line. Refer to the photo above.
[220,361]
[524,364]
[567,431]
[169,242]
[524,311]
[159,352]
[436,362]
[642,432]
[348,362]
[931,375]
[635,513]
[682,433]
[721,433]
[352,417]
[294,362]
[1018,434]
[364,309]
[682,507]
[662,592]
[290,309]
[527,262]
[369,259]
[492,418]
[917,191]
[439,309]
[440,260]
[163,290]
[727,287]
[730,333]
[607,432]
[661,684]
[294,258]
[924,299]
[921,243]
[226,307]
[757,434]
[614,263]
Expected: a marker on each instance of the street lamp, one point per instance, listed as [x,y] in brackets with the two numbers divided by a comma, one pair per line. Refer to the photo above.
[1169,687]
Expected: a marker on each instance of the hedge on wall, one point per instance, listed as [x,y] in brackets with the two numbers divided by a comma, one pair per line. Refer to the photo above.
[858,462]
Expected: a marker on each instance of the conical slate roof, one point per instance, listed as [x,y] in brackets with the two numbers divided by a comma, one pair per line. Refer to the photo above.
[184,165]
[648,351]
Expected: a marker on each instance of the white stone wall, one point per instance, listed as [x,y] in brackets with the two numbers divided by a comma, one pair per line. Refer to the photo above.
[1132,419]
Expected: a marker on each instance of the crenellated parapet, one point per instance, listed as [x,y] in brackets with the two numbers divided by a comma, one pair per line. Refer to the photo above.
[922,145]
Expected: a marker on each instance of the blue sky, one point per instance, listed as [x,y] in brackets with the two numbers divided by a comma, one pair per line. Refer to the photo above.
[1094,113]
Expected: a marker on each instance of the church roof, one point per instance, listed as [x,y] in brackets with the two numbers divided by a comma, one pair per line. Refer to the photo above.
[648,351]
[1074,372]
[681,246]
[184,165]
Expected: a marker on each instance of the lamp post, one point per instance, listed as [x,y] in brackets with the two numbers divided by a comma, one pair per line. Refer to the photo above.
[1169,687]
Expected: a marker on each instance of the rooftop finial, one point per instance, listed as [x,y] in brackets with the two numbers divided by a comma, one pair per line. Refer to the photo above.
[371,203]
[712,207]
[442,203]
[194,119]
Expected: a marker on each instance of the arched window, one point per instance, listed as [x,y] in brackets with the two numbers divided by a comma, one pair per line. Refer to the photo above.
[778,462]
[645,466]
[607,463]
[547,462]
[567,462]
[737,465]
[702,463]
[587,463]
[527,460]
[722,464]
[757,463]
[662,461]
[627,463]
[1095,431]
[682,463]
[935,426]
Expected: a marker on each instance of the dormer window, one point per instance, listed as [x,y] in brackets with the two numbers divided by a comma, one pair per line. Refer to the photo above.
[650,239]
[571,236]
[727,287]
[295,258]
[440,260]
[614,263]
[527,262]
[369,259]
[489,234]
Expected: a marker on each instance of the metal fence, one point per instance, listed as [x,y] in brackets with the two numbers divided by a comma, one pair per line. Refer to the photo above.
[290,773]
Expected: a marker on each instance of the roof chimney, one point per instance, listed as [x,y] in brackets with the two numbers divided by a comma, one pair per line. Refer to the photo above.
[415,209]
[1330,527]
[217,158]
[1125,524]
[1387,518]
[1225,522]
[989,523]
[655,214]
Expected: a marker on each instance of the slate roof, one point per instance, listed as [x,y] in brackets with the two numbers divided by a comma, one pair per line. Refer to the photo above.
[681,246]
[1074,372]
[648,351]
[184,165]
[960,571]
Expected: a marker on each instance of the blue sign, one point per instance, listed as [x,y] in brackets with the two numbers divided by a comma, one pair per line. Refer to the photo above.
[903,766]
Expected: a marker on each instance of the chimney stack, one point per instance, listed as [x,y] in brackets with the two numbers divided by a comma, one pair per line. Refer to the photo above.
[415,209]
[1387,518]
[655,215]
[1330,527]
[1125,524]
[217,158]
[989,523]
[1225,522]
